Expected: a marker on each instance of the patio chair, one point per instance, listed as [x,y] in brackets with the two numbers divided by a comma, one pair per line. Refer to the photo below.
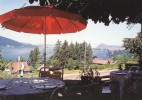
[110,90]
[79,92]
[83,92]
[57,94]
[135,76]
[57,75]
[44,72]
[134,69]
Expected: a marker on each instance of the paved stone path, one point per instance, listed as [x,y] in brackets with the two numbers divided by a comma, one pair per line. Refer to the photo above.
[77,76]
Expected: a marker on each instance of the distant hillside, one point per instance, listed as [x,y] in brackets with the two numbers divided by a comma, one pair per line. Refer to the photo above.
[6,42]
[51,46]
[11,49]
[110,47]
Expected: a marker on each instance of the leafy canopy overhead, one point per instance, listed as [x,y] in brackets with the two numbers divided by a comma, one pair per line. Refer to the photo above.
[104,11]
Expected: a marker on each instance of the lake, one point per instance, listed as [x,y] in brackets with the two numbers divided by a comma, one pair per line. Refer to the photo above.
[13,53]
[103,54]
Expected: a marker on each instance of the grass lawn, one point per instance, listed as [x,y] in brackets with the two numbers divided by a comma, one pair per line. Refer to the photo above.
[36,73]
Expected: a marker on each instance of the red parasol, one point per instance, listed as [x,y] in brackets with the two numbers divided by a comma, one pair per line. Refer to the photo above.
[42,20]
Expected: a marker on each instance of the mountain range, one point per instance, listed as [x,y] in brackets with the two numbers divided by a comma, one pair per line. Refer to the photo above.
[6,42]
[110,47]
[11,49]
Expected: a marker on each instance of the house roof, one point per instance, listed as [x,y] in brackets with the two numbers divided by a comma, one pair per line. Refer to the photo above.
[16,66]
[99,61]
[110,60]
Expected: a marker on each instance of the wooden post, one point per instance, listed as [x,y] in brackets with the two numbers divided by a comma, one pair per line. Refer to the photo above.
[84,56]
[141,28]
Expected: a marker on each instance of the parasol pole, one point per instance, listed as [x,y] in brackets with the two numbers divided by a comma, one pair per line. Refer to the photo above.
[18,64]
[44,43]
[85,56]
[141,30]
[44,51]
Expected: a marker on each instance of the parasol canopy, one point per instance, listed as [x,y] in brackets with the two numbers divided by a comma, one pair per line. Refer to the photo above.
[42,20]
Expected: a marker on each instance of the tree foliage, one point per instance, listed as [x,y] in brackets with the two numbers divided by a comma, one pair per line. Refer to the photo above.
[71,55]
[2,62]
[125,55]
[104,11]
[34,57]
[134,46]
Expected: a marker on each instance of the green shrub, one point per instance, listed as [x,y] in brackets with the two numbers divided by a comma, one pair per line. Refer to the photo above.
[5,74]
[101,67]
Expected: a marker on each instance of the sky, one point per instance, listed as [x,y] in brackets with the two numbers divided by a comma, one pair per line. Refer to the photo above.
[94,33]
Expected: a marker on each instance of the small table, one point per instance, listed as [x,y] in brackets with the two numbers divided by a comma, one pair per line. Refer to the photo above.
[125,79]
[19,88]
[122,78]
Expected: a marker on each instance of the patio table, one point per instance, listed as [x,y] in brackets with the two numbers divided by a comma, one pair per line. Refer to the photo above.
[122,78]
[125,80]
[27,88]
